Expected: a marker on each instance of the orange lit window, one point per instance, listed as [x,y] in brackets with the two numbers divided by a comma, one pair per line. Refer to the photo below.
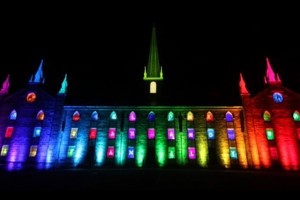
[209,117]
[33,151]
[31,97]
[40,116]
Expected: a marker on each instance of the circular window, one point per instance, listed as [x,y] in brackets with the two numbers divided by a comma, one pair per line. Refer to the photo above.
[31,97]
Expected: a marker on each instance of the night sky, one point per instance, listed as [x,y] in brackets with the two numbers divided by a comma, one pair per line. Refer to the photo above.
[104,50]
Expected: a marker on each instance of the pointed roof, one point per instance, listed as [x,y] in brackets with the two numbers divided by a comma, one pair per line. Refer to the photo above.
[64,86]
[39,76]
[154,71]
[243,89]
[5,85]
[271,77]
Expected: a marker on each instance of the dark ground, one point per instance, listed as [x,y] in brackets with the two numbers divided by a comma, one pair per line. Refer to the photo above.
[81,180]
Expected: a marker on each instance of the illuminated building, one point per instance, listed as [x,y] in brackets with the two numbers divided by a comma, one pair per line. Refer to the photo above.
[38,130]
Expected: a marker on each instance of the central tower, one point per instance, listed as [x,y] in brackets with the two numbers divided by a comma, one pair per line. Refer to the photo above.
[153,74]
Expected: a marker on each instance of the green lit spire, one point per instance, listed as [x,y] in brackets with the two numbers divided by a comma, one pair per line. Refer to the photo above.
[154,70]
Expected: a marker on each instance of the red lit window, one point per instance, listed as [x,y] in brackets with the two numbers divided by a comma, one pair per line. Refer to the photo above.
[93,133]
[9,131]
[76,116]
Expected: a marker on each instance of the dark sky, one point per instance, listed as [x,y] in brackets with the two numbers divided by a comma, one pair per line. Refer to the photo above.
[104,49]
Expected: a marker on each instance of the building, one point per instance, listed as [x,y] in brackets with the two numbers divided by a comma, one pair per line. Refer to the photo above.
[40,131]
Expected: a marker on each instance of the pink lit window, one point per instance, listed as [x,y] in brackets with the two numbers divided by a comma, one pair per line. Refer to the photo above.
[171,134]
[151,133]
[112,133]
[192,153]
[110,152]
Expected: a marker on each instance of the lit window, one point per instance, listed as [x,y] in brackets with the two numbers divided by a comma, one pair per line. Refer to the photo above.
[190,116]
[267,116]
[4,150]
[229,117]
[191,133]
[31,97]
[93,133]
[113,115]
[233,153]
[37,131]
[151,116]
[131,133]
[209,117]
[33,151]
[171,134]
[192,153]
[40,115]
[296,116]
[130,153]
[171,152]
[170,116]
[112,133]
[73,133]
[211,133]
[76,116]
[274,153]
[153,87]
[9,131]
[71,151]
[270,134]
[13,115]
[132,116]
[231,134]
[95,116]
[151,133]
[110,151]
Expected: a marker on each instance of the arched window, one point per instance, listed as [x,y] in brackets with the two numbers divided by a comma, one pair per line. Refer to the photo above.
[153,87]
[267,116]
[113,115]
[151,116]
[209,117]
[296,115]
[41,115]
[229,117]
[170,116]
[76,116]
[13,115]
[94,116]
[190,116]
[132,116]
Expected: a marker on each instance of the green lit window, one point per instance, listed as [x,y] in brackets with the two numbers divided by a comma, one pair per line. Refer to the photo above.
[267,116]
[233,153]
[113,115]
[170,116]
[296,116]
[270,134]
[71,151]
[171,152]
